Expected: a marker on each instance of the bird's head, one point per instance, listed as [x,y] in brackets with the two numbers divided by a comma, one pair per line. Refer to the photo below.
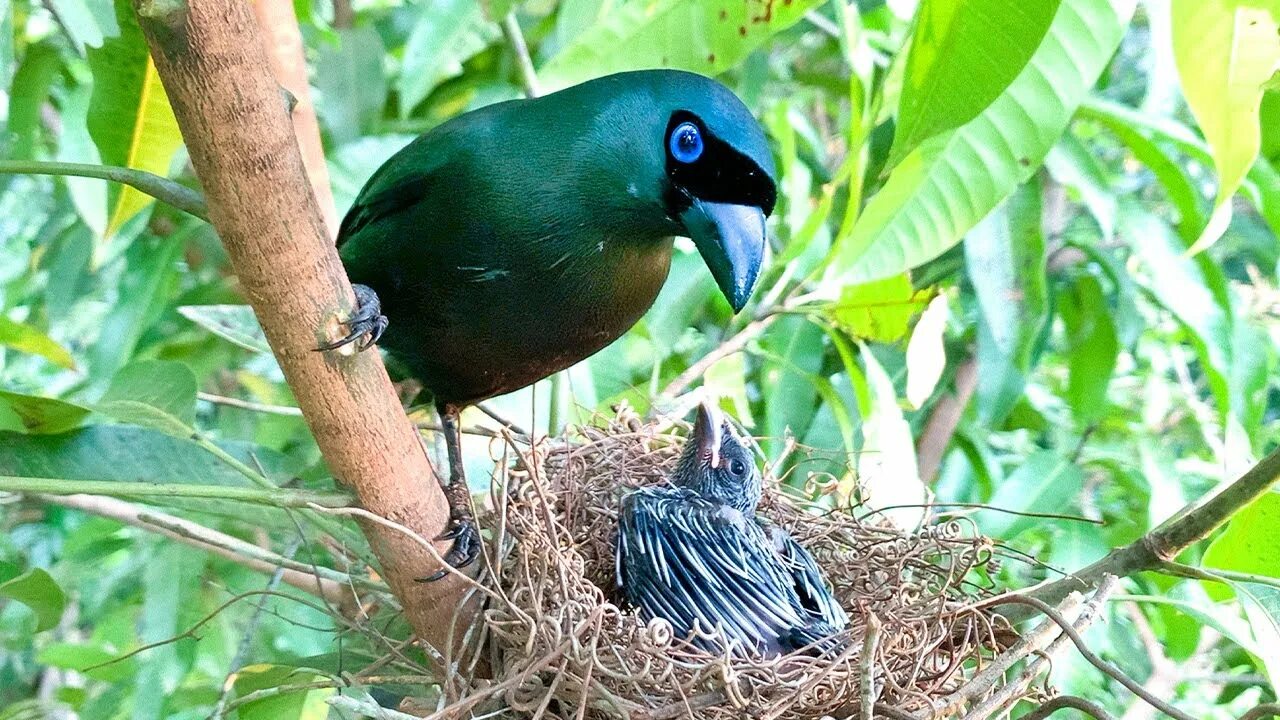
[687,153]
[717,464]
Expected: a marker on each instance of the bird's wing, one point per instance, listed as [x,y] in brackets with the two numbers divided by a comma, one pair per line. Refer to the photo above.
[815,595]
[682,559]
[374,204]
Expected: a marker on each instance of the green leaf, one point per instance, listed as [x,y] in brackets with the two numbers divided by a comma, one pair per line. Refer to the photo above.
[926,354]
[89,195]
[300,705]
[880,310]
[790,398]
[80,22]
[962,56]
[1262,608]
[1225,51]
[727,379]
[1044,482]
[31,83]
[351,87]
[1092,347]
[39,415]
[129,116]
[887,471]
[1072,164]
[37,590]
[1140,131]
[170,586]
[80,657]
[125,453]
[452,32]
[1183,287]
[234,323]
[702,37]
[155,394]
[1005,261]
[27,339]
[952,181]
[1249,544]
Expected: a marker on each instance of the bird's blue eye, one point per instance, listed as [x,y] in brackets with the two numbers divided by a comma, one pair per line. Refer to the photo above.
[685,143]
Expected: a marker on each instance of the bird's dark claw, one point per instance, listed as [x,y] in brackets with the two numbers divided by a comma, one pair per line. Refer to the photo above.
[367,322]
[466,545]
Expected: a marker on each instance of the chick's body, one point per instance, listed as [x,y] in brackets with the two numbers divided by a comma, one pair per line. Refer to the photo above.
[695,555]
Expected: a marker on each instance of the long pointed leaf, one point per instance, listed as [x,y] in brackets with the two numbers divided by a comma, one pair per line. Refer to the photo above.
[129,116]
[951,182]
[1225,51]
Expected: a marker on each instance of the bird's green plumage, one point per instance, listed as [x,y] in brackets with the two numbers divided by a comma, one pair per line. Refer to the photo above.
[517,239]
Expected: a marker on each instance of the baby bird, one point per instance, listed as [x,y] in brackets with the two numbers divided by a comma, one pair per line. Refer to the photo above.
[695,555]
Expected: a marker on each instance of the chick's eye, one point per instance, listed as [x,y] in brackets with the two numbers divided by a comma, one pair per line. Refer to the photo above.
[737,468]
[685,143]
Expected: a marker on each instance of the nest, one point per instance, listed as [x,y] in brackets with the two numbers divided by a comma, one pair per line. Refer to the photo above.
[562,645]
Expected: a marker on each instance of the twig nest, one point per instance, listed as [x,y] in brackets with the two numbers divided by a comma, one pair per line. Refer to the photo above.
[566,648]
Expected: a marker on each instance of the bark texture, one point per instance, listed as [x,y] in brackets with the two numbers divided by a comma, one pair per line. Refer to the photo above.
[279,25]
[210,56]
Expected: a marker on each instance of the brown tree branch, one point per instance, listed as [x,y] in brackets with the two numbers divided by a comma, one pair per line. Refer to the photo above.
[211,58]
[279,25]
[294,573]
[1161,545]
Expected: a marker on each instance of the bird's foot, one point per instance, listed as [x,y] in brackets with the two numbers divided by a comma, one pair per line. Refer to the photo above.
[366,322]
[466,544]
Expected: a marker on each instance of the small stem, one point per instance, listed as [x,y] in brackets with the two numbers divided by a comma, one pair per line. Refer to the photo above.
[1083,648]
[275,497]
[1161,545]
[867,688]
[733,344]
[515,38]
[326,582]
[161,188]
[324,524]
[1091,709]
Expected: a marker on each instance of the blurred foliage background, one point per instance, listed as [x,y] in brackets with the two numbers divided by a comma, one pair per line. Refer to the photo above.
[979,291]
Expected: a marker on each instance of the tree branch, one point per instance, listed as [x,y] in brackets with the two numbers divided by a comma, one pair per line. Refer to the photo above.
[333,587]
[275,497]
[1162,544]
[210,56]
[1087,707]
[163,189]
[279,25]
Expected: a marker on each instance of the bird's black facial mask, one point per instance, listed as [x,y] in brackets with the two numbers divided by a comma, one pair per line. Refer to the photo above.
[717,464]
[722,198]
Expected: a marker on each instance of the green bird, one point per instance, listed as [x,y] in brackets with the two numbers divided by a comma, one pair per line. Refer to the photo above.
[515,240]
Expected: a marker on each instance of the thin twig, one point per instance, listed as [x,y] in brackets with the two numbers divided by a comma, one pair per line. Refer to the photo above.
[515,38]
[1164,543]
[1087,707]
[1262,711]
[275,497]
[246,639]
[1115,673]
[732,345]
[290,411]
[866,666]
[161,188]
[325,582]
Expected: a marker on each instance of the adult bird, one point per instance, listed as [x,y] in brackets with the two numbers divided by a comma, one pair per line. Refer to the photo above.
[515,240]
[696,555]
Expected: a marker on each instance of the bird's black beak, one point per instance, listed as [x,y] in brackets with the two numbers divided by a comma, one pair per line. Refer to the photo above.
[731,241]
[708,432]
